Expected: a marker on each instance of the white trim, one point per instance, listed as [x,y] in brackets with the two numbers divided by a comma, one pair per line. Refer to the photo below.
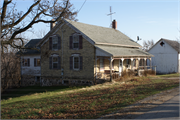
[55,55]
[78,64]
[75,55]
[112,44]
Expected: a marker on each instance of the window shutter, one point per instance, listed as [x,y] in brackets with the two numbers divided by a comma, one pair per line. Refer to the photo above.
[50,62]
[34,62]
[80,42]
[59,43]
[71,62]
[28,62]
[59,62]
[70,42]
[50,43]
[81,62]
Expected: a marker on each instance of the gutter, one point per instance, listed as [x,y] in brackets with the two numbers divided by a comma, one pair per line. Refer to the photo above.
[108,44]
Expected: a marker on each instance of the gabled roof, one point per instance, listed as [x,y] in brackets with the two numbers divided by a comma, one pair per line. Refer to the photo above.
[96,34]
[172,43]
[31,44]
[103,35]
[117,51]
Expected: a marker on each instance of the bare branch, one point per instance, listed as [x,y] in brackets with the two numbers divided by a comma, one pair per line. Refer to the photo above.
[4,9]
[20,19]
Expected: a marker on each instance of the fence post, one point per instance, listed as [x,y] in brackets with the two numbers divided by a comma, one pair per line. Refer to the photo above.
[155,69]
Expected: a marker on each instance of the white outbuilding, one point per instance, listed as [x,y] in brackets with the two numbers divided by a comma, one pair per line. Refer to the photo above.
[166,56]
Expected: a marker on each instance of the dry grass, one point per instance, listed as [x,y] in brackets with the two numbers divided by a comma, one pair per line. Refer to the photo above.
[89,102]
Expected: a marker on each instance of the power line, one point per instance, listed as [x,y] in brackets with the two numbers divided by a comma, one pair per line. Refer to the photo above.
[82,6]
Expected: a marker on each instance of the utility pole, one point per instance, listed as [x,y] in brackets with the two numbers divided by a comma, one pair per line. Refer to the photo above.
[110,16]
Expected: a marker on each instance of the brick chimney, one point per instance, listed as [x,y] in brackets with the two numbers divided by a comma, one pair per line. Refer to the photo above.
[114,24]
[52,24]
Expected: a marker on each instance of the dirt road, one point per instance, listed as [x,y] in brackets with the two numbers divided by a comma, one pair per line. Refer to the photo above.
[164,105]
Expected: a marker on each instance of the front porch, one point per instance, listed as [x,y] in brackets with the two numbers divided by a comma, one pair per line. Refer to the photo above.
[109,68]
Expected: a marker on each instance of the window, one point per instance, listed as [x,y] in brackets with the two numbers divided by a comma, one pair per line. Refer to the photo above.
[55,62]
[76,63]
[55,43]
[26,62]
[101,64]
[75,41]
[37,62]
[37,78]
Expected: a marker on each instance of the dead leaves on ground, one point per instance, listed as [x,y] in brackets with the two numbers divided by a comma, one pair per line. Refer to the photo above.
[89,104]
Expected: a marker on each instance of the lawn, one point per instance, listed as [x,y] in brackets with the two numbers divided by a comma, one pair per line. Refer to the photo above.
[83,102]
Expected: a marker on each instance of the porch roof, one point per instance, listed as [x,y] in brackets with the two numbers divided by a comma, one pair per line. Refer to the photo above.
[117,51]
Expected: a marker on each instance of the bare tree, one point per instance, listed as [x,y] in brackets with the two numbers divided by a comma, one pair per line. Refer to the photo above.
[147,44]
[41,33]
[14,22]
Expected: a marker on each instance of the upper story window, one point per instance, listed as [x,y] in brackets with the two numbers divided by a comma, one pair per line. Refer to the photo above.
[37,62]
[25,62]
[75,41]
[54,42]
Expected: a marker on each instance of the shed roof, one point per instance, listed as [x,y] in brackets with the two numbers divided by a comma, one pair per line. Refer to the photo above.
[116,51]
[31,44]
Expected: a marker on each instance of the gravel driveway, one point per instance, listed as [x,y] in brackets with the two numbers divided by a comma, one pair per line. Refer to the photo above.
[143,106]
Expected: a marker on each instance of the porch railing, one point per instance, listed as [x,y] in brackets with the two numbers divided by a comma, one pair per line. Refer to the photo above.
[106,76]
[148,68]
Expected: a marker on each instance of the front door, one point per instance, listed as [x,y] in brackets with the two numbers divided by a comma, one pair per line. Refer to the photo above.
[120,67]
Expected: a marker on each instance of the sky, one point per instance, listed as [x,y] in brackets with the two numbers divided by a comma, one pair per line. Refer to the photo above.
[148,19]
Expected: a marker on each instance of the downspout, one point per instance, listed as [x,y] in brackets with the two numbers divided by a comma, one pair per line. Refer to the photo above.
[62,68]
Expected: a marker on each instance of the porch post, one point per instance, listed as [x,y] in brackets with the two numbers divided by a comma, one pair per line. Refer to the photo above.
[138,62]
[145,63]
[111,68]
[131,63]
[150,62]
[122,65]
[96,66]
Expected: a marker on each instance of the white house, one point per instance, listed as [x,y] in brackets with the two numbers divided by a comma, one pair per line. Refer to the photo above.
[166,56]
[31,61]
